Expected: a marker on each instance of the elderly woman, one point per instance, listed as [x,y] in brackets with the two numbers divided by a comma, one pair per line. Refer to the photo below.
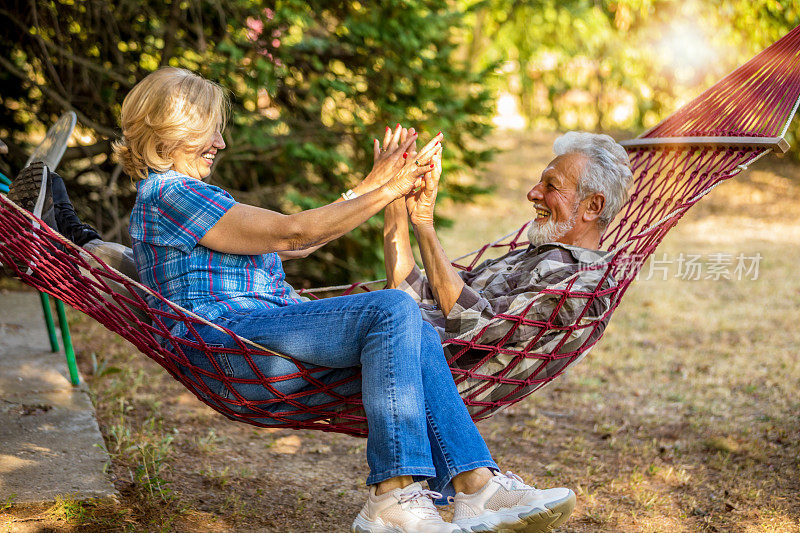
[199,248]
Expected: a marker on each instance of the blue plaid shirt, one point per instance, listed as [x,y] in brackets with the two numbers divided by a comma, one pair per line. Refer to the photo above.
[172,213]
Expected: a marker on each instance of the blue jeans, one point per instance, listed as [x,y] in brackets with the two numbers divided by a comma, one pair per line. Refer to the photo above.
[418,424]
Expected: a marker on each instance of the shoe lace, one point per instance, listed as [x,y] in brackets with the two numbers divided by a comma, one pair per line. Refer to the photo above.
[422,500]
[510,481]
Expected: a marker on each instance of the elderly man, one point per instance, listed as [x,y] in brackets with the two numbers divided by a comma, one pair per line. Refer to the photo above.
[579,194]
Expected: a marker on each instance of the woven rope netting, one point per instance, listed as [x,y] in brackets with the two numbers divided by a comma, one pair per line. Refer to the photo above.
[675,164]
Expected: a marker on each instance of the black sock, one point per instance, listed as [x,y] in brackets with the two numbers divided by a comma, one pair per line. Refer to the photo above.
[69,225]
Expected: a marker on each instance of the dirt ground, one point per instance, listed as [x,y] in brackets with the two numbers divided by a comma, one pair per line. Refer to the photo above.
[685,417]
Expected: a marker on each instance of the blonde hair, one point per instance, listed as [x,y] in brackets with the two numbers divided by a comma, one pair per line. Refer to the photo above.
[170,109]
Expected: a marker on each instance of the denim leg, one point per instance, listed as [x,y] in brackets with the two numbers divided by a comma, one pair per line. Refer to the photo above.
[378,332]
[456,444]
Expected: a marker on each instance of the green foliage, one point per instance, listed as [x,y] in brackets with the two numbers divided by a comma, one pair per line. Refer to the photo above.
[146,449]
[8,503]
[70,510]
[312,84]
[614,64]
[150,470]
[91,515]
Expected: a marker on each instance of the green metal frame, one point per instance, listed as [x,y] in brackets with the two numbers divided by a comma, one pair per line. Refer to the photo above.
[48,321]
[65,335]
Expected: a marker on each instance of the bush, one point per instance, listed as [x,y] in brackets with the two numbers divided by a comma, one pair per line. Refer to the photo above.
[312,84]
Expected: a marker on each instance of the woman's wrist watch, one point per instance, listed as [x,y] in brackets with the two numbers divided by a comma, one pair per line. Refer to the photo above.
[349,194]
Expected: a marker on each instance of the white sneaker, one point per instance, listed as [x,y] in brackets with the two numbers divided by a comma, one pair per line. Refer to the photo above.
[405,510]
[507,504]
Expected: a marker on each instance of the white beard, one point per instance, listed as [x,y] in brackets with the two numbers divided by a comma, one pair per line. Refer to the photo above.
[550,231]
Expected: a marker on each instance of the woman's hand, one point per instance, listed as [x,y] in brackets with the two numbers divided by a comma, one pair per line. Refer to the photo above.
[410,176]
[420,203]
[388,157]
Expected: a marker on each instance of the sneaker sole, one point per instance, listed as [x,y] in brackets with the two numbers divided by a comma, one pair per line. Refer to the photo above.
[28,194]
[524,520]
[360,525]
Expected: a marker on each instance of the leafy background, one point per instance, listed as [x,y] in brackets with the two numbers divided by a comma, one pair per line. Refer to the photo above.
[314,82]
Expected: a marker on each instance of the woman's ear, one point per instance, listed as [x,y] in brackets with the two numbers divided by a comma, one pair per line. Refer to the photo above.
[594,207]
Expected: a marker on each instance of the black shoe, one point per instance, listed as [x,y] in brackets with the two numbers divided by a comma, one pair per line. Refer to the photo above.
[69,225]
[31,191]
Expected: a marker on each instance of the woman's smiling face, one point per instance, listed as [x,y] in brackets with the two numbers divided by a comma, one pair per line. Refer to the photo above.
[197,164]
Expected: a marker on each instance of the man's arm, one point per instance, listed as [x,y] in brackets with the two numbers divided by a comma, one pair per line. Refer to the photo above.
[397,254]
[443,278]
[398,257]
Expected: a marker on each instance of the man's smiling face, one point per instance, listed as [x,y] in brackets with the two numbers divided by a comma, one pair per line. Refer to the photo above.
[555,199]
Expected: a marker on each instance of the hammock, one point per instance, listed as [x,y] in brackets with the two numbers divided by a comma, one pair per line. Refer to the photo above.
[675,164]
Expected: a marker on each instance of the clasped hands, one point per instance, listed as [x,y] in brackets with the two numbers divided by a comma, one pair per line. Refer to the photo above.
[409,174]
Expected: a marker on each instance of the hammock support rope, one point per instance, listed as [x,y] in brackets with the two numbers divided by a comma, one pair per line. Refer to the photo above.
[675,164]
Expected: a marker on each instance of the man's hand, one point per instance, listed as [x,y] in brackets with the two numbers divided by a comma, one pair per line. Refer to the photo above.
[420,203]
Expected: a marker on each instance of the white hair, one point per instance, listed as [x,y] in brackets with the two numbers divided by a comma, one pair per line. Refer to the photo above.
[608,170]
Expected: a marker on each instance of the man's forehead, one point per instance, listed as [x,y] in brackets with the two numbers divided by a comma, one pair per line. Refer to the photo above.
[566,167]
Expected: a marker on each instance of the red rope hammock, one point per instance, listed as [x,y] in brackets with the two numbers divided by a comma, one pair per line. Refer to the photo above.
[675,164]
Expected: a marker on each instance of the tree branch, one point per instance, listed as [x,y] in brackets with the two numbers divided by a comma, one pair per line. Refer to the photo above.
[63,102]
[81,152]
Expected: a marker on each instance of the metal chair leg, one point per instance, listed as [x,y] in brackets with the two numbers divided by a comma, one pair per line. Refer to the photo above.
[48,320]
[67,339]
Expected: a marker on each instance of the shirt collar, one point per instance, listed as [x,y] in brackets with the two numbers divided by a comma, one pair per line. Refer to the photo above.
[581,255]
[169,173]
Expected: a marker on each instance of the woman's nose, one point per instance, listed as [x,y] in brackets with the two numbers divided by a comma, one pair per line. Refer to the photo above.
[219,142]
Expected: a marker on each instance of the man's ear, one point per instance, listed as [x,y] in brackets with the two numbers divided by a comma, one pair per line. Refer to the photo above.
[594,207]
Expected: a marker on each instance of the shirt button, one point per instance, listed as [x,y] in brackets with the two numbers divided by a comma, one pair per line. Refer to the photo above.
[509,268]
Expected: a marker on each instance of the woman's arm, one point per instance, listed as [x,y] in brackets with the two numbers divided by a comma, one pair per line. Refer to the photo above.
[249,230]
[391,141]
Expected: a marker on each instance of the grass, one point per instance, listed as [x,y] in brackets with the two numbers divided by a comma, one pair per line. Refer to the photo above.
[8,503]
[683,418]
